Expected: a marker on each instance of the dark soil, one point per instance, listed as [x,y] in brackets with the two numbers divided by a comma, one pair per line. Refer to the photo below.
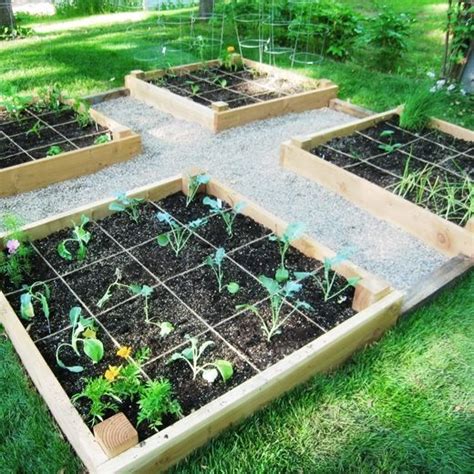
[449,141]
[334,156]
[356,145]
[58,118]
[428,151]
[244,330]
[199,290]
[8,148]
[374,175]
[193,394]
[91,282]
[42,152]
[72,131]
[28,140]
[398,135]
[396,162]
[221,95]
[242,102]
[176,206]
[461,164]
[14,127]
[100,246]
[60,303]
[14,160]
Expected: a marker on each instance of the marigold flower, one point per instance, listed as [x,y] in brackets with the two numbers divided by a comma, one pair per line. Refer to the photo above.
[124,352]
[112,373]
[230,49]
[12,246]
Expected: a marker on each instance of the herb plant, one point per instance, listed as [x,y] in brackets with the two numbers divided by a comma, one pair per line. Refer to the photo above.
[15,256]
[83,331]
[15,104]
[388,147]
[293,232]
[195,182]
[80,237]
[178,235]
[210,371]
[129,205]
[215,263]
[36,129]
[418,109]
[277,292]
[37,292]
[228,216]
[156,400]
[54,150]
[82,108]
[101,139]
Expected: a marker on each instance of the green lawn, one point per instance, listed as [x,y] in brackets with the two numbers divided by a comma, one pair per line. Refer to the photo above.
[404,405]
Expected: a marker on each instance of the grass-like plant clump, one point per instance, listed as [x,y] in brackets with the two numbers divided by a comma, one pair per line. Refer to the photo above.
[419,107]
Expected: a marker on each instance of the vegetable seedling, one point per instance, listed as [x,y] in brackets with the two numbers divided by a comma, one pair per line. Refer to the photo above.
[278,292]
[54,150]
[91,346]
[37,292]
[36,129]
[195,182]
[80,237]
[210,371]
[215,263]
[293,232]
[101,139]
[129,205]
[178,235]
[228,216]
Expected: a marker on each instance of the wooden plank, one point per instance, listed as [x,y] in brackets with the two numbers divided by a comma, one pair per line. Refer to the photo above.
[308,100]
[451,129]
[115,435]
[442,278]
[325,353]
[349,108]
[436,232]
[36,174]
[111,94]
[307,142]
[66,416]
[163,99]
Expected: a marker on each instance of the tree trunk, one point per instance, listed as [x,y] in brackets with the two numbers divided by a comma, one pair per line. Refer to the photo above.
[206,7]
[6,14]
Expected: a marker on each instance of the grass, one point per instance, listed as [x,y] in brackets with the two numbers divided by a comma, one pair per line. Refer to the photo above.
[403,405]
[96,58]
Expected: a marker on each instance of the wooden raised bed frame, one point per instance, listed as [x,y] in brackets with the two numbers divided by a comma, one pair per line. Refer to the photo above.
[220,117]
[438,233]
[378,306]
[45,171]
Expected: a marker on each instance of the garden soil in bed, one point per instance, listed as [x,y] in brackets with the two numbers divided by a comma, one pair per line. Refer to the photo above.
[20,144]
[190,301]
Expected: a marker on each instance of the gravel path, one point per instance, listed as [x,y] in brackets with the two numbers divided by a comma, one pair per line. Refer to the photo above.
[247,159]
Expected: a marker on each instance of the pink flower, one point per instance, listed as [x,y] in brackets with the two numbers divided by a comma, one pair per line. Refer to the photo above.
[12,246]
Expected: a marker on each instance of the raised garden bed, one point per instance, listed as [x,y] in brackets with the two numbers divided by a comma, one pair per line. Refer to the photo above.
[421,182]
[219,98]
[42,146]
[185,294]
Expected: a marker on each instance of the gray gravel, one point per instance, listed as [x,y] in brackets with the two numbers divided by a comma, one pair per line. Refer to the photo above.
[247,159]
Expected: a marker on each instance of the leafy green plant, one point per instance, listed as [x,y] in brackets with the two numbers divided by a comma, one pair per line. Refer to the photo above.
[328,279]
[178,235]
[15,250]
[210,371]
[82,110]
[37,292]
[228,216]
[80,237]
[194,183]
[15,104]
[293,232]
[84,332]
[101,139]
[229,60]
[129,205]
[278,292]
[418,109]
[54,150]
[51,98]
[14,32]
[388,147]
[156,400]
[36,129]
[214,262]
[195,88]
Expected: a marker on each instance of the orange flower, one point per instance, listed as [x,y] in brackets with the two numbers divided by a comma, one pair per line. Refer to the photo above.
[125,352]
[112,373]
[230,49]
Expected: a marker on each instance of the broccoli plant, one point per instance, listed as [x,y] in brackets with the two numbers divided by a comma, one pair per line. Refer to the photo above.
[278,292]
[194,183]
[80,237]
[293,231]
[210,371]
[228,216]
[37,292]
[178,235]
[215,262]
[129,205]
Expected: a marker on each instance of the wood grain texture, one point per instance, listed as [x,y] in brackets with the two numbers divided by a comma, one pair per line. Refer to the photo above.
[115,435]
[349,108]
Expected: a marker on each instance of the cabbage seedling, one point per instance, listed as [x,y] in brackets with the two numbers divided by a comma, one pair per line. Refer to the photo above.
[277,293]
[210,371]
[215,263]
[293,231]
[80,237]
[178,235]
[195,182]
[228,217]
[39,292]
[83,331]
[129,205]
